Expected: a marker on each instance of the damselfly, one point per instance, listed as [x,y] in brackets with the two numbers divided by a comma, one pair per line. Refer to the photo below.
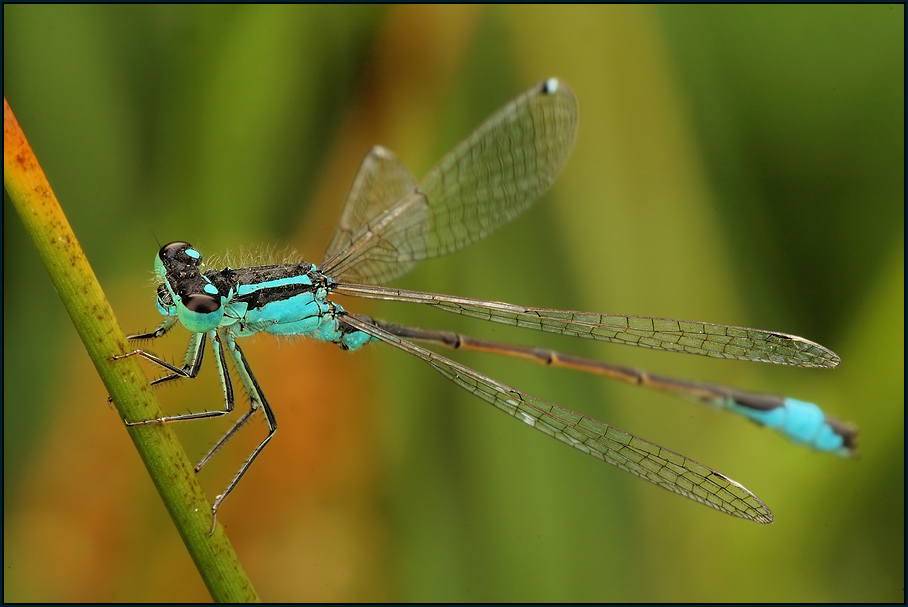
[390,222]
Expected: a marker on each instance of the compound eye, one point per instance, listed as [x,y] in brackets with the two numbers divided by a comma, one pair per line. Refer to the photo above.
[179,253]
[201,303]
[200,312]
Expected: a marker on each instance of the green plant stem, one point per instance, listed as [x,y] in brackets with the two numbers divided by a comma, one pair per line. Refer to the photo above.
[94,320]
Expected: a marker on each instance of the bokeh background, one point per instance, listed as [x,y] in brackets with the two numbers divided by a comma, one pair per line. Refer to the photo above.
[735,164]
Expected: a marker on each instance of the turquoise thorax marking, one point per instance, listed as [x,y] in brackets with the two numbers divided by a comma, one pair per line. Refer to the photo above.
[287,299]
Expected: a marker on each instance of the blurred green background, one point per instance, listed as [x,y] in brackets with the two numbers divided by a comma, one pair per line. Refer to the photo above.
[735,164]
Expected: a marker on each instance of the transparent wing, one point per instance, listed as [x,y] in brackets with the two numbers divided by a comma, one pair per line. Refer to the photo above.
[381,181]
[489,179]
[632,454]
[801,422]
[717,341]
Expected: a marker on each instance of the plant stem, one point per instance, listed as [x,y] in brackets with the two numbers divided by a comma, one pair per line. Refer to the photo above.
[94,320]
